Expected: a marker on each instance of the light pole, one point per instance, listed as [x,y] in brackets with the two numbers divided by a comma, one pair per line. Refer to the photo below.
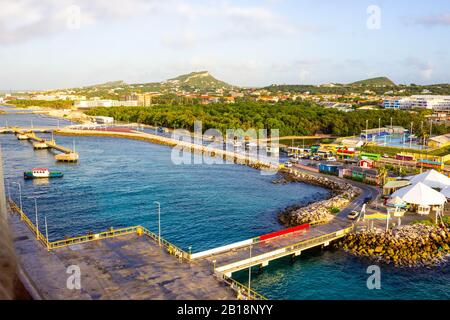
[410,136]
[36,217]
[250,273]
[46,230]
[367,128]
[159,222]
[379,126]
[8,190]
[20,195]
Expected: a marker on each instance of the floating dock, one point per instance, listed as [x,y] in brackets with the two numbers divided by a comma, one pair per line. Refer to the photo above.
[68,155]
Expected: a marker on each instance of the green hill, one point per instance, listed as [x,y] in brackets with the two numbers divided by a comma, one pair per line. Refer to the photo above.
[202,81]
[379,81]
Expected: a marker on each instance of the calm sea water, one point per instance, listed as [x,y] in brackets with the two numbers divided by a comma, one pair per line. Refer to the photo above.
[117,181]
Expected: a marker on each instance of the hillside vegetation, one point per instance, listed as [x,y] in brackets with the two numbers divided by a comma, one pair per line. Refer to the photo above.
[380,81]
[291,118]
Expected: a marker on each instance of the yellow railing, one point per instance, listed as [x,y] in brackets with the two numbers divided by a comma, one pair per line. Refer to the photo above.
[39,236]
[112,233]
[305,244]
[242,290]
[172,249]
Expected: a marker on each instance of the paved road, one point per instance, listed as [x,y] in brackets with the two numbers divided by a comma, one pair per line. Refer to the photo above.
[367,191]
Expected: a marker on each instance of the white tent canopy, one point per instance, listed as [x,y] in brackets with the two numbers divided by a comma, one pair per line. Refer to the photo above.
[420,194]
[446,192]
[396,201]
[432,179]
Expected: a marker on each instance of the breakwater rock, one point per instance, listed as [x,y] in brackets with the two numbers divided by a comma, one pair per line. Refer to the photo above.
[408,246]
[342,195]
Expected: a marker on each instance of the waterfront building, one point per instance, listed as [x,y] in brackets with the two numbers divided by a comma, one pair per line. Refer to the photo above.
[105,103]
[439,141]
[104,120]
[431,102]
[146,99]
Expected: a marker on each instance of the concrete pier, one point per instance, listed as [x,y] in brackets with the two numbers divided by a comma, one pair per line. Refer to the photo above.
[125,267]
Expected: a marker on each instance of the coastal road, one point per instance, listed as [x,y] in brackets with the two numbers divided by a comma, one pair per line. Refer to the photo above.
[367,190]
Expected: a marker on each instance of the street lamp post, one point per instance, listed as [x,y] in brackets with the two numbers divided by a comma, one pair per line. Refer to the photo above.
[46,231]
[36,217]
[159,222]
[250,273]
[367,128]
[20,195]
[410,136]
[8,190]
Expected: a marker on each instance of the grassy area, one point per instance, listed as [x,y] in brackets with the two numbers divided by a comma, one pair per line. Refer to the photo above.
[394,150]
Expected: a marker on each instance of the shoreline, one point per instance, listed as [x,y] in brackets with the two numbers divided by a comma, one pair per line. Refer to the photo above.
[342,193]
[409,246]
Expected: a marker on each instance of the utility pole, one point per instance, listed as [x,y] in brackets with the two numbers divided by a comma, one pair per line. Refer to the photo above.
[410,136]
[159,222]
[36,217]
[250,273]
[46,231]
[367,128]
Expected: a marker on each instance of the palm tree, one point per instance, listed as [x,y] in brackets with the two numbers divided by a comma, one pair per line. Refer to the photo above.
[383,171]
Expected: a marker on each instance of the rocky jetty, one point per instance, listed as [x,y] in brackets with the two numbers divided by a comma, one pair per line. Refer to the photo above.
[408,246]
[321,211]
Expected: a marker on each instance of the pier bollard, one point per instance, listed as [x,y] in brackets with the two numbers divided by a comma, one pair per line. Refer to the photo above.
[139,231]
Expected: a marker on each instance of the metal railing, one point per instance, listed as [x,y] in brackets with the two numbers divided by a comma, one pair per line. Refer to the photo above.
[39,236]
[242,290]
[111,233]
[171,248]
[303,245]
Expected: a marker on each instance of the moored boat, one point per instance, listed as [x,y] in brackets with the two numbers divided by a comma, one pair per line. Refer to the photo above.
[37,173]
[22,137]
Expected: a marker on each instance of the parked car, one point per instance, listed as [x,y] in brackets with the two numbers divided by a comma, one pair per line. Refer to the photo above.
[353,215]
[367,199]
[288,164]
[331,159]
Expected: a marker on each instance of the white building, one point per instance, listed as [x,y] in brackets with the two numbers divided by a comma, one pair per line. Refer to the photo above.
[104,120]
[105,103]
[432,102]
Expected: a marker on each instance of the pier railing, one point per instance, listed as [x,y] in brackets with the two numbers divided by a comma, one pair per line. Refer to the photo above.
[39,236]
[111,233]
[242,290]
[282,252]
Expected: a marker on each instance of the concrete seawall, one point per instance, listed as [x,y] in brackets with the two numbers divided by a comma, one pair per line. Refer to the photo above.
[342,195]
[227,155]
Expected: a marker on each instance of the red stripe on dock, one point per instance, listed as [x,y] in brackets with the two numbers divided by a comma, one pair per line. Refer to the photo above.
[284,232]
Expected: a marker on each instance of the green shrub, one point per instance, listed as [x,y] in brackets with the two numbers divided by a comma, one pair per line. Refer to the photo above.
[335,210]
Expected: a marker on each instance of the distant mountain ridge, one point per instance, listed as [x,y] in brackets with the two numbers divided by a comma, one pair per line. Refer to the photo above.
[201,81]
[378,81]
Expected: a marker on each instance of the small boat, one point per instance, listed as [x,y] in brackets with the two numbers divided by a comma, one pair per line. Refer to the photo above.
[22,137]
[38,173]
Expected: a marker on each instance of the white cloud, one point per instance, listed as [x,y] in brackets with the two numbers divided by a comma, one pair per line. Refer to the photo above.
[21,20]
[434,20]
[424,68]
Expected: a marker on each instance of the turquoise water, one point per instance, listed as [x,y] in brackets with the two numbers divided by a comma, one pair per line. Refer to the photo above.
[117,181]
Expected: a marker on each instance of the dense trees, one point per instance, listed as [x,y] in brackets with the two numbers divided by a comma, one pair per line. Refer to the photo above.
[56,104]
[291,118]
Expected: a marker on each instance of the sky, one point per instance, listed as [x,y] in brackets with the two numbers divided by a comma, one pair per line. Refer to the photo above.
[48,44]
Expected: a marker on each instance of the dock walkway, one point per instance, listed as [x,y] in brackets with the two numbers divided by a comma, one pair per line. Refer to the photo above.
[239,257]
